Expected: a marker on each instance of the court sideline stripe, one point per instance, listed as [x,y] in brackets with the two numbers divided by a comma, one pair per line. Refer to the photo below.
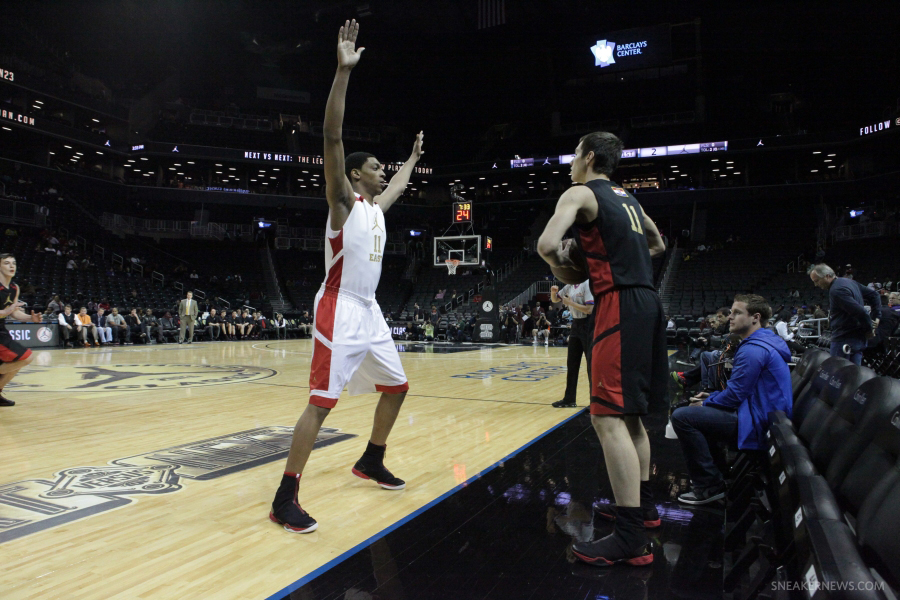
[366,543]
[412,395]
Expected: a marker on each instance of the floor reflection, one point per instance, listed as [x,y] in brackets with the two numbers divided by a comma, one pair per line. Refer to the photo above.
[509,534]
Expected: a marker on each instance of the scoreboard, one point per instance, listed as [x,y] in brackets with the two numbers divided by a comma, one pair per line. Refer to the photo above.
[462,212]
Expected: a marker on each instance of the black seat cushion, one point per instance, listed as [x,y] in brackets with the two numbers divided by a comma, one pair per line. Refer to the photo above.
[878,528]
[826,430]
[806,368]
[804,403]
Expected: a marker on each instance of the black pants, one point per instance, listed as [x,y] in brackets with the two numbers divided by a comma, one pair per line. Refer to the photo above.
[579,344]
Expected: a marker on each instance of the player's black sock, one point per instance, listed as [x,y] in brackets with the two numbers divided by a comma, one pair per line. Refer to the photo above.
[374,453]
[287,489]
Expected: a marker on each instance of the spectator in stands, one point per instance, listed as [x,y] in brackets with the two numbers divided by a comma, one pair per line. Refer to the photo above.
[119,327]
[104,304]
[510,325]
[783,331]
[304,324]
[103,328]
[71,266]
[279,325]
[541,329]
[150,325]
[167,326]
[851,326]
[797,318]
[429,331]
[434,318]
[135,330]
[55,305]
[213,324]
[251,329]
[760,383]
[261,323]
[87,327]
[888,323]
[418,314]
[69,327]
[194,275]
[237,325]
[818,313]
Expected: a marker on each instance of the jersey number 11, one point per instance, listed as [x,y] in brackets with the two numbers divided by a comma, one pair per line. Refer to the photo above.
[632,216]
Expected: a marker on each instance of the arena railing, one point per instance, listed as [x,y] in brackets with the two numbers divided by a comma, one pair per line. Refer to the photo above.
[21,213]
[158,277]
[811,329]
[864,230]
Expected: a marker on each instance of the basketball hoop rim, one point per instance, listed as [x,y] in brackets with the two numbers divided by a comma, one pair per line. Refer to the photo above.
[451,263]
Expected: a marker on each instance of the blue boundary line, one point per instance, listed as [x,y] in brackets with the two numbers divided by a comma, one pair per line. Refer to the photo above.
[339,559]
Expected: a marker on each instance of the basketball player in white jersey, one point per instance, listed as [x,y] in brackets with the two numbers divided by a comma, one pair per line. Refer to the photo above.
[352,344]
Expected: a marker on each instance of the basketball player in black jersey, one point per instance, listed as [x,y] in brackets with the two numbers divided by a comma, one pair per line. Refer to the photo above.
[628,352]
[12,355]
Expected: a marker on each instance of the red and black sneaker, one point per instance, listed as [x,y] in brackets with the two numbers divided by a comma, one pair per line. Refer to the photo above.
[608,512]
[378,473]
[611,550]
[286,511]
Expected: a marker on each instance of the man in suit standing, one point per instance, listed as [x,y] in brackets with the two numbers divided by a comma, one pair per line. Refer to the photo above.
[187,314]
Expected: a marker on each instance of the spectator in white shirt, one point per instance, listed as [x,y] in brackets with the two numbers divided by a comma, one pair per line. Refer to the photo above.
[781,328]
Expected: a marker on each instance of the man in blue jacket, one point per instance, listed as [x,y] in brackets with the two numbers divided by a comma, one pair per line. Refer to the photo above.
[851,326]
[760,383]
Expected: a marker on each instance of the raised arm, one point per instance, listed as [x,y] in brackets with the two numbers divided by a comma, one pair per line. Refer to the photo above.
[400,180]
[654,241]
[338,190]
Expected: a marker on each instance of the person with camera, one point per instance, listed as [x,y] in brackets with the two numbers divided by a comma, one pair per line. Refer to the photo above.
[760,383]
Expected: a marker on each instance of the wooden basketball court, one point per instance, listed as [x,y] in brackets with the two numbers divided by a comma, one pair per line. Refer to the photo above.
[148,471]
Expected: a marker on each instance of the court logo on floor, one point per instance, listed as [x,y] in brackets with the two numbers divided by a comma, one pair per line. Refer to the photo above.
[133,377]
[34,505]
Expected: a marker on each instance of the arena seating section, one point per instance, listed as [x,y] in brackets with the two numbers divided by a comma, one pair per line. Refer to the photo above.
[819,502]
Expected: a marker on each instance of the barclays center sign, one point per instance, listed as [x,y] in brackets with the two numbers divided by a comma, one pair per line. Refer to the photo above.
[634,48]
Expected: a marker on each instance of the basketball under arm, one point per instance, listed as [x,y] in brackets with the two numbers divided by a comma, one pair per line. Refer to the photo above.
[566,211]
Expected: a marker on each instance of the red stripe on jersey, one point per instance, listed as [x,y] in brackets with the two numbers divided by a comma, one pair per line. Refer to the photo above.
[320,369]
[606,356]
[323,401]
[599,271]
[336,270]
[392,389]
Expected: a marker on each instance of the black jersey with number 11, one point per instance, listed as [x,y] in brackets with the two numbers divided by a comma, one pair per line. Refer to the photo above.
[614,244]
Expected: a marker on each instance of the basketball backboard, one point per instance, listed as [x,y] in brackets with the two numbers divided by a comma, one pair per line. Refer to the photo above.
[464,248]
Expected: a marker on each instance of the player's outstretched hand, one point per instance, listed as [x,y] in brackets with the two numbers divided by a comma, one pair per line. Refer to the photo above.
[417,147]
[348,54]
[35,318]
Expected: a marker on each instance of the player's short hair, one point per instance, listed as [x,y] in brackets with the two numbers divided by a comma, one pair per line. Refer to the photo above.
[607,149]
[67,306]
[756,304]
[356,160]
[6,255]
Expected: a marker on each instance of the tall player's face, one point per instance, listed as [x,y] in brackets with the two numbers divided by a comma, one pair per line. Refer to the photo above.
[579,166]
[371,177]
[8,267]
